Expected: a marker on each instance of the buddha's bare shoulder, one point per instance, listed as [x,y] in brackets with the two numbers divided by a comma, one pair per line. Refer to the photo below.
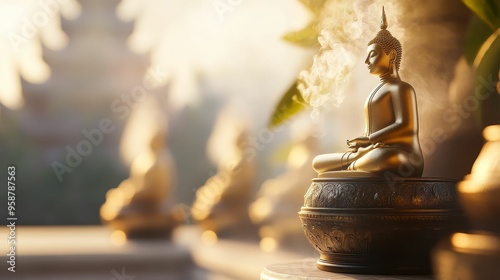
[400,87]
[405,87]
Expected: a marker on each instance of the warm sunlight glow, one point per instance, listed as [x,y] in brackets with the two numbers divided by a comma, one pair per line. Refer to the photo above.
[475,242]
[261,207]
[298,156]
[108,213]
[142,123]
[268,244]
[118,237]
[197,43]
[209,237]
[25,27]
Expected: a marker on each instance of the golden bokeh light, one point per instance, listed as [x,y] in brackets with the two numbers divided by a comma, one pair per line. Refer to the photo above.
[118,237]
[26,26]
[268,244]
[209,237]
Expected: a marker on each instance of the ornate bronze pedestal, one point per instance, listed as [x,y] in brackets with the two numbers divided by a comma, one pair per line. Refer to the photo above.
[374,225]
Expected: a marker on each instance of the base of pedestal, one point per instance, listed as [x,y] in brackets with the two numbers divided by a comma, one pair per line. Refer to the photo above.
[378,226]
[306,270]
[385,267]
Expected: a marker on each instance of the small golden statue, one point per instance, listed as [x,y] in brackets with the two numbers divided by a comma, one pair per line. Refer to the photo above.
[221,204]
[390,141]
[277,201]
[140,206]
[474,251]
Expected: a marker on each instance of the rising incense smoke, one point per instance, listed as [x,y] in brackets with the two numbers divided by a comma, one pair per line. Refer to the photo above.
[345,28]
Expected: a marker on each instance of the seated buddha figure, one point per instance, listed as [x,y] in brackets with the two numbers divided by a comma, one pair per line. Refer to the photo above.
[142,205]
[390,142]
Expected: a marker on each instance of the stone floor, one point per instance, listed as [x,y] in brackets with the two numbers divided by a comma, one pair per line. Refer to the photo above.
[94,253]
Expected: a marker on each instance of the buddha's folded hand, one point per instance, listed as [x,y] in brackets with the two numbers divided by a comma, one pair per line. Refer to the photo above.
[358,142]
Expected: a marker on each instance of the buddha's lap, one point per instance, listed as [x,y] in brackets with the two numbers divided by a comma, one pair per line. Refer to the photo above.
[390,159]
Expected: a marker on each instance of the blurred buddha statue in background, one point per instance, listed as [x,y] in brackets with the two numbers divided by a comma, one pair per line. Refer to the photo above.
[141,206]
[279,199]
[390,142]
[220,206]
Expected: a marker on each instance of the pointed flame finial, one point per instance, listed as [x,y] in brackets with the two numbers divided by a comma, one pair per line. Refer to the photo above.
[383,22]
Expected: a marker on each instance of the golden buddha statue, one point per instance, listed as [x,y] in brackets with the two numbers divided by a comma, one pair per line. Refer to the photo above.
[221,204]
[390,142]
[381,224]
[274,209]
[141,206]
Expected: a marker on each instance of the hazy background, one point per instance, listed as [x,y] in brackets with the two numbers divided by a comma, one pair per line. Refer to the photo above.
[90,56]
[206,60]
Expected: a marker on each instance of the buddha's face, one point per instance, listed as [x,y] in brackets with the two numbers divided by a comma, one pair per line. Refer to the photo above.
[377,60]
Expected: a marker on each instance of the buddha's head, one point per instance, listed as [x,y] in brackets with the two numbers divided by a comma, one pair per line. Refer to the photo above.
[384,51]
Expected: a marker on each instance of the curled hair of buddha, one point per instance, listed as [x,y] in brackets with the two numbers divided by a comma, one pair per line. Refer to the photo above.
[387,42]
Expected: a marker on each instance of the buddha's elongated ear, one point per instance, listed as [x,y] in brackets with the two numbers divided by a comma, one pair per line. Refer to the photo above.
[392,55]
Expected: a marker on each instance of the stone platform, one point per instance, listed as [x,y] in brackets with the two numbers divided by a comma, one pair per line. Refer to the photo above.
[233,259]
[91,252]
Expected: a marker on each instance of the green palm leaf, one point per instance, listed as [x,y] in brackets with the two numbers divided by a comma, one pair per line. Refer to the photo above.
[487,10]
[290,104]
